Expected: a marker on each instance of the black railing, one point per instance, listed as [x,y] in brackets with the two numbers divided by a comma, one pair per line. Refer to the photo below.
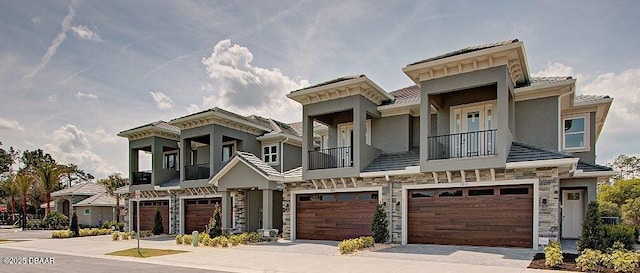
[471,144]
[141,178]
[610,220]
[197,171]
[340,157]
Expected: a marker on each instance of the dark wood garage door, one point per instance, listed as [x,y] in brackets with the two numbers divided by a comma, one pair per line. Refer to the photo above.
[486,216]
[197,213]
[148,212]
[334,216]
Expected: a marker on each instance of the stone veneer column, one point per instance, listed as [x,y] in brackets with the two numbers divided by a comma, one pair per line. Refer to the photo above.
[239,210]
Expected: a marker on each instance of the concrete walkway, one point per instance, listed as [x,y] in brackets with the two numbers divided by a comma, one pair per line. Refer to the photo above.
[284,256]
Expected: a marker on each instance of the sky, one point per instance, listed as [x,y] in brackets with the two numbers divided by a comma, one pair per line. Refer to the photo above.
[75,73]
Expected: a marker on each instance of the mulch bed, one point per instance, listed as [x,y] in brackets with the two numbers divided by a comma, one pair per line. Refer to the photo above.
[568,263]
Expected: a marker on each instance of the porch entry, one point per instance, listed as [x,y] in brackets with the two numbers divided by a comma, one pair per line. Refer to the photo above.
[263,210]
[573,202]
[472,129]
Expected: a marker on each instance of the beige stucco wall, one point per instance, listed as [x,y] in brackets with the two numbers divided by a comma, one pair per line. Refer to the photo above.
[96,215]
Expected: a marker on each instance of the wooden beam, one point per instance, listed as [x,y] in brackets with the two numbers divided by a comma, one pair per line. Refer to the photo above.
[493,174]
[333,181]
[314,183]
[435,177]
[324,183]
[353,180]
[477,175]
[463,175]
[344,184]
[449,176]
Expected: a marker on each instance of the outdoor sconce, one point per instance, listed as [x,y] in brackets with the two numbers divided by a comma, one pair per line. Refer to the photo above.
[544,201]
[384,204]
[398,203]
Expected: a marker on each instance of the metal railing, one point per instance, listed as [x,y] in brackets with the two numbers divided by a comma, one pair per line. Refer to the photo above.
[471,144]
[197,171]
[340,157]
[141,178]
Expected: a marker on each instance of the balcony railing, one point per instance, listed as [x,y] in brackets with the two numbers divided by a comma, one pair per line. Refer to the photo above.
[141,178]
[197,171]
[340,157]
[471,144]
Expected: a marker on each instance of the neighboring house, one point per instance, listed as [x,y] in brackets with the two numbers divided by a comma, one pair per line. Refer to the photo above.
[214,157]
[477,152]
[91,202]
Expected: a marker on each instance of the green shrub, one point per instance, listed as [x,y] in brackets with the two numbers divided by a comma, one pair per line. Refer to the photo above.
[145,233]
[187,239]
[158,228]
[367,241]
[215,242]
[115,235]
[106,224]
[553,254]
[74,225]
[631,211]
[206,241]
[120,226]
[202,236]
[55,220]
[609,209]
[179,239]
[215,222]
[619,233]
[593,232]
[61,234]
[352,245]
[224,241]
[589,260]
[621,260]
[380,225]
[235,240]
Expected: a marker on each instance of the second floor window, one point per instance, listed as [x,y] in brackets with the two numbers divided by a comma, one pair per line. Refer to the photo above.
[575,133]
[270,154]
[170,161]
[228,149]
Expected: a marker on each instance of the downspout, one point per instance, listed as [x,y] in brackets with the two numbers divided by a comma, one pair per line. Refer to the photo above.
[282,155]
[390,239]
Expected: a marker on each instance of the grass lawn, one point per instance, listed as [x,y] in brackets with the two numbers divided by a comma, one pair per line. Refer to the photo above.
[145,252]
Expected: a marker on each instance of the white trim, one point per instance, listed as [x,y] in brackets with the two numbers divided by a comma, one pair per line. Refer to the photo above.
[130,209]
[581,173]
[407,171]
[542,163]
[182,205]
[587,132]
[277,153]
[405,199]
[349,125]
[293,200]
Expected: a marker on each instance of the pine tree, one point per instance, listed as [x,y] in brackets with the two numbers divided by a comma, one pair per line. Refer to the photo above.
[379,225]
[74,225]
[215,223]
[593,232]
[157,223]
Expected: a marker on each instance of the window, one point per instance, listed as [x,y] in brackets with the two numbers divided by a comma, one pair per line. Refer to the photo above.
[345,133]
[87,211]
[481,192]
[575,133]
[368,196]
[514,191]
[421,194]
[228,149]
[573,196]
[326,197]
[170,161]
[270,154]
[304,198]
[346,197]
[452,193]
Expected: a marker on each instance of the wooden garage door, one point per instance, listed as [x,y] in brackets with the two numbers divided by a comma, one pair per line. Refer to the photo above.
[197,213]
[148,212]
[334,216]
[486,216]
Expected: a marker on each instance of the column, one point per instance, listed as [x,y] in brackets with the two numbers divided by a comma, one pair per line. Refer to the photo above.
[226,210]
[267,209]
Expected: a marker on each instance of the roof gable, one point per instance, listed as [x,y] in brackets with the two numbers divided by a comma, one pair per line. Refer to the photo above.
[339,88]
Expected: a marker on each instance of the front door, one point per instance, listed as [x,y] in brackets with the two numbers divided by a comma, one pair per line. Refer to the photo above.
[467,124]
[572,213]
[346,139]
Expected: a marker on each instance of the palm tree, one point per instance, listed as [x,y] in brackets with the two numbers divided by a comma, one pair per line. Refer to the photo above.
[10,188]
[48,176]
[24,182]
[112,183]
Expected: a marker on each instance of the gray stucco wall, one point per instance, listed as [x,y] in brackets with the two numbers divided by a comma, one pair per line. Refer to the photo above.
[415,131]
[292,157]
[159,174]
[590,183]
[97,215]
[241,177]
[590,156]
[537,122]
[391,134]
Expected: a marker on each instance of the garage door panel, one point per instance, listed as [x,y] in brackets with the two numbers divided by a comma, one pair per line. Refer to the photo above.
[197,213]
[148,213]
[485,220]
[325,217]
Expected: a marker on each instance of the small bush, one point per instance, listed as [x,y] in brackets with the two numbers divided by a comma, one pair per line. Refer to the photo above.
[145,233]
[106,224]
[179,239]
[368,241]
[187,239]
[120,226]
[61,234]
[202,236]
[621,260]
[206,241]
[224,241]
[353,245]
[619,233]
[55,220]
[74,225]
[589,260]
[380,225]
[553,254]
[235,240]
[215,242]
[115,236]
[158,228]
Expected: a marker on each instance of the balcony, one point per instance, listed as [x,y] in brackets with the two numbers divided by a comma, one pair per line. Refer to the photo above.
[141,178]
[340,157]
[197,171]
[463,145]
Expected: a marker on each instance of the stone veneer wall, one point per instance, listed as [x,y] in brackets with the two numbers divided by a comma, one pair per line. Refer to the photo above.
[239,220]
[548,214]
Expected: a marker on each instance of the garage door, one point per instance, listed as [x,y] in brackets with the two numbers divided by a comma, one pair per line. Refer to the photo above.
[334,216]
[197,213]
[148,212]
[486,216]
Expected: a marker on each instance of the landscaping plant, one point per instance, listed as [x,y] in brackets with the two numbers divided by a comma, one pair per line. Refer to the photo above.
[353,245]
[593,231]
[215,222]
[379,225]
[115,235]
[179,239]
[589,260]
[55,220]
[619,233]
[74,225]
[157,223]
[553,254]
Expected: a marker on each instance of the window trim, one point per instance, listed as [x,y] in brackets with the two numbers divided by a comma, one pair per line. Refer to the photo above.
[483,106]
[232,143]
[87,211]
[165,160]
[587,133]
[277,154]
[349,126]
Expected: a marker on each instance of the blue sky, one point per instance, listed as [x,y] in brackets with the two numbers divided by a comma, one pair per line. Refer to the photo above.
[75,73]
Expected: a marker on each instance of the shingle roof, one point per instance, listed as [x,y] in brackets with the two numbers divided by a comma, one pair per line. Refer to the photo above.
[521,152]
[465,50]
[157,124]
[409,94]
[100,199]
[256,162]
[345,78]
[586,167]
[171,183]
[297,127]
[586,99]
[84,188]
[395,161]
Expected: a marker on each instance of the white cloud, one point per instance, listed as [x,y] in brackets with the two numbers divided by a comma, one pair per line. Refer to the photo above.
[53,98]
[35,20]
[101,136]
[247,88]
[193,108]
[554,70]
[163,101]
[70,145]
[46,58]
[9,124]
[81,95]
[85,33]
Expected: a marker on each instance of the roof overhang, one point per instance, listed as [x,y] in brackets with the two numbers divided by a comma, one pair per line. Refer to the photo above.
[598,174]
[565,89]
[215,180]
[286,138]
[149,131]
[357,86]
[512,55]
[211,116]
[411,170]
[572,162]
[600,107]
